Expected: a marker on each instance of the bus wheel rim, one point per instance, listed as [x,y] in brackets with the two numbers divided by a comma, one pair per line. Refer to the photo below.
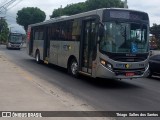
[74,68]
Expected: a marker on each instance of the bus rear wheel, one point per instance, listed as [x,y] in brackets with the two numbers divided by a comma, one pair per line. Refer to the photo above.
[38,57]
[73,68]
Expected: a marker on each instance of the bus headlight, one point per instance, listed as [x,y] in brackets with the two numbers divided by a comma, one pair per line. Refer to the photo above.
[106,64]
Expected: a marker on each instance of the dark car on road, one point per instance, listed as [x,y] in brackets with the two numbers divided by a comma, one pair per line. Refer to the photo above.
[154,65]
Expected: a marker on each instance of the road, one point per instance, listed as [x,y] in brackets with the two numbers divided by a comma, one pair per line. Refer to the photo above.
[106,95]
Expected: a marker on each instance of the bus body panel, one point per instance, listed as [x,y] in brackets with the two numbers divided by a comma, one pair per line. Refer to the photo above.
[61,51]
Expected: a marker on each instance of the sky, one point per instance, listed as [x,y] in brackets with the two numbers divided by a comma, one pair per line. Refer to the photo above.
[149,6]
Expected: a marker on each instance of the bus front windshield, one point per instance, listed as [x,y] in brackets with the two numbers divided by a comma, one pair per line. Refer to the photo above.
[16,38]
[124,38]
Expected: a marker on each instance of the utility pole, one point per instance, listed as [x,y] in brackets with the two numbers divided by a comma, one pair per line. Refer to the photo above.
[7,4]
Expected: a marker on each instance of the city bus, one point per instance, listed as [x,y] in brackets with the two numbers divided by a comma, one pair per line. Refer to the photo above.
[14,41]
[104,43]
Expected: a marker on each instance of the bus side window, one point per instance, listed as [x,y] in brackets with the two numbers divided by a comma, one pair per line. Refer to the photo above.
[41,35]
[76,30]
[51,32]
[69,30]
[56,33]
[36,36]
[63,31]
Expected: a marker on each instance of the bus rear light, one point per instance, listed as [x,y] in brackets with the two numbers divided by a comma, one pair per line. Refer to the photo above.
[28,33]
[28,36]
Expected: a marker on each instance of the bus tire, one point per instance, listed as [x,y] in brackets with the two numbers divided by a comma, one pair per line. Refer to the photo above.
[38,57]
[73,68]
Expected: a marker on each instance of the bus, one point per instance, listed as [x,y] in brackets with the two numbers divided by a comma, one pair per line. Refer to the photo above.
[104,43]
[14,41]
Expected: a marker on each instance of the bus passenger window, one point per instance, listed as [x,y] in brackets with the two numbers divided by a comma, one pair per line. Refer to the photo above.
[36,36]
[76,30]
[40,36]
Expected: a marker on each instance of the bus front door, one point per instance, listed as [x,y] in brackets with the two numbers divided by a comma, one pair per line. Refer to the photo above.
[87,46]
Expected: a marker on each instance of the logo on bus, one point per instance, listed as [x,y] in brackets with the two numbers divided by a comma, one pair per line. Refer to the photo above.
[66,47]
[127,66]
[134,48]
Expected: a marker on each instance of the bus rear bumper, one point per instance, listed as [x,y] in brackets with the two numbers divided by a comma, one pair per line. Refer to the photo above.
[103,72]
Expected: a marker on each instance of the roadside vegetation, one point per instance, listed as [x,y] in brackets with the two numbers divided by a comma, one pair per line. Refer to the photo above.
[4,31]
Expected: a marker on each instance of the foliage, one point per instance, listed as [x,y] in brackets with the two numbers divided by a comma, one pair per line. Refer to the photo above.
[75,8]
[69,10]
[72,9]
[4,31]
[30,15]
[155,30]
[57,12]
[95,4]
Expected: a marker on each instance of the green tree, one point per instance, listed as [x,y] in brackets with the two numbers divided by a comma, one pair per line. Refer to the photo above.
[4,31]
[72,9]
[57,12]
[155,30]
[75,8]
[30,15]
[95,4]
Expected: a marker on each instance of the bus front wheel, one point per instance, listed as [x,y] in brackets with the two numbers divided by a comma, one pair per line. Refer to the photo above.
[73,68]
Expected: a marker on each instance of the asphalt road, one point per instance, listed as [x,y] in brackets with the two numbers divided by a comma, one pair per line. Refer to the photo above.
[102,94]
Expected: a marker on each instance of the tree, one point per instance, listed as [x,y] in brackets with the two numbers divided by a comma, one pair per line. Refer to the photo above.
[57,12]
[75,8]
[30,15]
[155,30]
[4,31]
[72,9]
[95,4]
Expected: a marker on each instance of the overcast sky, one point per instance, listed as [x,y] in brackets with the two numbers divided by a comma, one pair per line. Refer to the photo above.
[149,6]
